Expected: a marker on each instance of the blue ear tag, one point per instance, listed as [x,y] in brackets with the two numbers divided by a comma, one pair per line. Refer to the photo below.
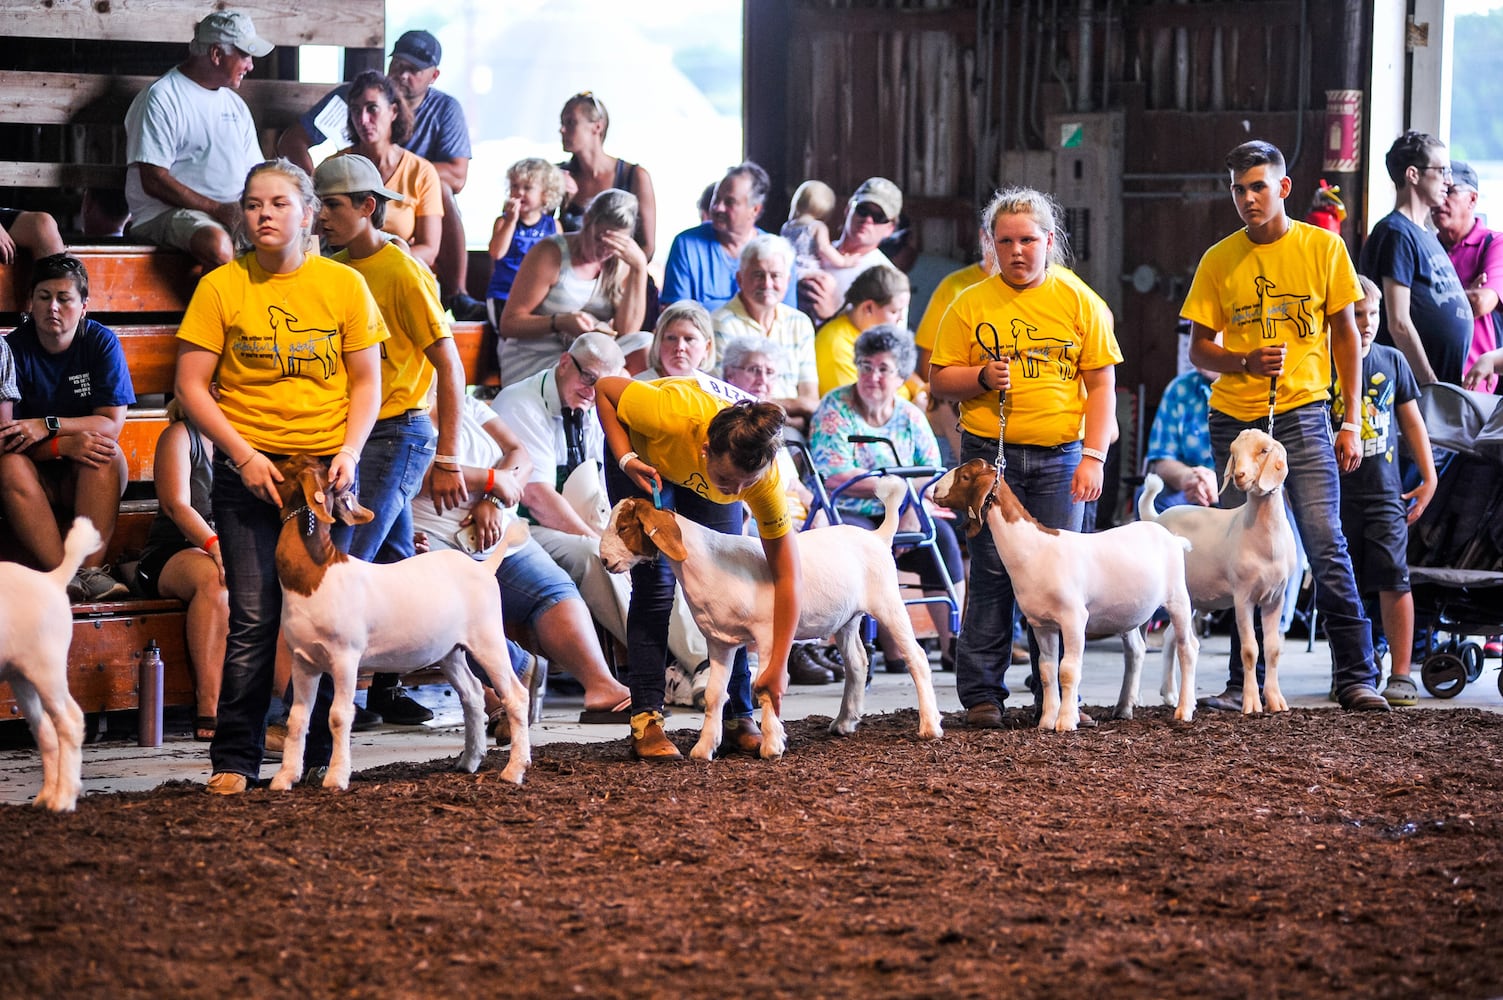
[657,497]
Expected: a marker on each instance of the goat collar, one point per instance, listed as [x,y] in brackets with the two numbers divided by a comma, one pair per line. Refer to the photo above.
[296,512]
[990,499]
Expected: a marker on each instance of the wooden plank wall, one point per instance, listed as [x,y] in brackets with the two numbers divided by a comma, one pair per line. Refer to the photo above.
[349,23]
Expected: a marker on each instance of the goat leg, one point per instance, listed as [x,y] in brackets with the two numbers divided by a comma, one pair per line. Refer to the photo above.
[472,703]
[853,697]
[1134,646]
[341,717]
[304,691]
[1273,648]
[1072,637]
[713,727]
[1048,640]
[1251,701]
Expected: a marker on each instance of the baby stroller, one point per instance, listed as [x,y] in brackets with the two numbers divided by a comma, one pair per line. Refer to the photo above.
[1456,547]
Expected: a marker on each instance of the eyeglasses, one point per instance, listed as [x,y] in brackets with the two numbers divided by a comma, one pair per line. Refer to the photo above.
[587,377]
[1445,171]
[756,371]
[867,210]
[881,371]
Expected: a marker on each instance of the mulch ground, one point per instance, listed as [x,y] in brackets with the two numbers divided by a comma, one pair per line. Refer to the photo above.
[1308,854]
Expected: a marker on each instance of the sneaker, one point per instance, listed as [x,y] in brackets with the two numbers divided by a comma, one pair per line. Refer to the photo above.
[678,685]
[94,583]
[701,683]
[227,783]
[467,310]
[649,742]
[1400,691]
[1362,698]
[987,715]
[1229,700]
[396,707]
[276,740]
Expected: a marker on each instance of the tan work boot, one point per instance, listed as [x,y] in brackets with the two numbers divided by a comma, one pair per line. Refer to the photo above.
[649,742]
[742,736]
[227,783]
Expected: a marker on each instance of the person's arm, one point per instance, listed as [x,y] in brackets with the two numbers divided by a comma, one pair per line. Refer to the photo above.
[159,183]
[805,403]
[1346,355]
[364,369]
[1417,440]
[295,144]
[1402,331]
[607,397]
[504,229]
[7,252]
[1100,427]
[970,381]
[818,295]
[171,475]
[454,173]
[93,440]
[195,370]
[647,212]
[787,584]
[1483,368]
[631,307]
[827,252]
[549,509]
[427,231]
[447,486]
[538,273]
[1482,299]
[1196,482]
[1265,362]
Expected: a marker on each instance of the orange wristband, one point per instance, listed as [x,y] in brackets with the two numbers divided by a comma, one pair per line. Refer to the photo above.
[55,452]
[209,541]
[490,480]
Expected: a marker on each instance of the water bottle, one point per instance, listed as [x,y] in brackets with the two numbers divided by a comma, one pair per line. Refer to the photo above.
[149,698]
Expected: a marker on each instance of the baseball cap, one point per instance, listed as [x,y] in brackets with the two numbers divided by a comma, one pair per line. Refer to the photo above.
[881,192]
[1462,175]
[230,27]
[348,173]
[419,48]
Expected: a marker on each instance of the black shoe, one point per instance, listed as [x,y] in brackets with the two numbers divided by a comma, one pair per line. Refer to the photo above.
[1229,700]
[803,668]
[365,720]
[396,707]
[468,310]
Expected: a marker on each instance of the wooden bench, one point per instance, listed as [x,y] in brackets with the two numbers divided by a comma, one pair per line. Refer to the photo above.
[109,637]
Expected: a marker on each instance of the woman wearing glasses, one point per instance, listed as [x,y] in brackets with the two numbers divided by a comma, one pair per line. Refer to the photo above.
[572,283]
[590,169]
[871,407]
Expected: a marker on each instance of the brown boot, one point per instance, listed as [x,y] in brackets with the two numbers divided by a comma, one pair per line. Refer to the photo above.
[648,741]
[742,736]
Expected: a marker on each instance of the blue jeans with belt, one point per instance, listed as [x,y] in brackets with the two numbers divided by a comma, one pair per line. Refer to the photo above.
[1040,476]
[248,530]
[1314,485]
[393,462]
[652,586]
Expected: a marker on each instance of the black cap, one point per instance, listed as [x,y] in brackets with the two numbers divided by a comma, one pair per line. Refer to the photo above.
[419,48]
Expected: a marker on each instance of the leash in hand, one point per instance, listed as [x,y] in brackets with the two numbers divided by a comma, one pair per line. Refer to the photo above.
[994,352]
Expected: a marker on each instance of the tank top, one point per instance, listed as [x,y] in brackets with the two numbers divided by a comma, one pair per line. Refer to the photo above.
[523,358]
[163,530]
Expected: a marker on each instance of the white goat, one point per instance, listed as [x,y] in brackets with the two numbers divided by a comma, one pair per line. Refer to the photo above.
[340,614]
[36,629]
[1242,558]
[1072,585]
[847,572]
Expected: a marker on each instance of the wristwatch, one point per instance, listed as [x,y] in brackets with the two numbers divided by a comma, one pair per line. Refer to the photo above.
[53,426]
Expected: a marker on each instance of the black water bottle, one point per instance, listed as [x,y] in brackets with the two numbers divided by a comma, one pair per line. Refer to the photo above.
[149,698]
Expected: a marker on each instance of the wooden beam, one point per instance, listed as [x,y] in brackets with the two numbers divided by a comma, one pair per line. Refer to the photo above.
[26,174]
[83,98]
[122,279]
[350,23]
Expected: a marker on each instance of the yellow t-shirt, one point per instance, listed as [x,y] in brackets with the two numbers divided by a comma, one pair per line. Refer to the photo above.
[669,422]
[407,294]
[421,190]
[1257,295]
[944,293]
[835,356]
[281,341]
[1050,334]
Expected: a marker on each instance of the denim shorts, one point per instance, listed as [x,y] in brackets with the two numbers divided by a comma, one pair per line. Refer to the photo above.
[531,583]
[1377,536]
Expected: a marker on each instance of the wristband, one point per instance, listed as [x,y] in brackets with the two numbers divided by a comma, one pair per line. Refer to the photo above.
[981,378]
[445,459]
[208,541]
[347,450]
[1354,428]
[240,465]
[621,462]
[55,452]
[1095,453]
[490,480]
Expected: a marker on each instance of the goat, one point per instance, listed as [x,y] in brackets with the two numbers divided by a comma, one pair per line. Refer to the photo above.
[340,614]
[1070,585]
[1242,558]
[36,629]
[847,572]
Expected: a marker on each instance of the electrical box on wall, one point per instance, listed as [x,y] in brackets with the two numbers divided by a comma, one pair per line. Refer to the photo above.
[1088,185]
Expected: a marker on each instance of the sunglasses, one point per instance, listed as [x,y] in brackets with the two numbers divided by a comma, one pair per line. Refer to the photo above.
[588,95]
[867,210]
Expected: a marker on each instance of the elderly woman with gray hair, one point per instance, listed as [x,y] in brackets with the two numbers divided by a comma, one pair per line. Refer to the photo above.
[884,357]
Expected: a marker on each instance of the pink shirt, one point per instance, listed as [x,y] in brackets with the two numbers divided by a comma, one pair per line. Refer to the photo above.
[1480,252]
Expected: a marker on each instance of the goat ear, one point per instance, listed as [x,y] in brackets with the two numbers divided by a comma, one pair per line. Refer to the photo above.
[348,510]
[1226,477]
[314,496]
[1275,468]
[663,532]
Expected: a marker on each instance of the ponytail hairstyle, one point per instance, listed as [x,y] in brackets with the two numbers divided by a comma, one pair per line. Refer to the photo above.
[612,209]
[749,434]
[880,284]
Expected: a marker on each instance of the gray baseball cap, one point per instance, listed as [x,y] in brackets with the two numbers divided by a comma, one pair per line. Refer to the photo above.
[1462,175]
[230,27]
[348,173]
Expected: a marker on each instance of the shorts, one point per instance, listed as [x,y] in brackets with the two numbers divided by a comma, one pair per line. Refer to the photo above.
[531,583]
[153,560]
[173,228]
[1378,539]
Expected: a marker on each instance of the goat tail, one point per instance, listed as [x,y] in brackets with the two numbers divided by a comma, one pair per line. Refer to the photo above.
[1152,487]
[83,540]
[514,537]
[892,491]
[1184,543]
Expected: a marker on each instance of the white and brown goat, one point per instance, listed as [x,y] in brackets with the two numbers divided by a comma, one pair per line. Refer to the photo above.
[1071,585]
[340,614]
[847,572]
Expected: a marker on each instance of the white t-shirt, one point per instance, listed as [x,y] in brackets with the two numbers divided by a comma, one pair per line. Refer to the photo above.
[846,276]
[477,449]
[205,138]
[532,411]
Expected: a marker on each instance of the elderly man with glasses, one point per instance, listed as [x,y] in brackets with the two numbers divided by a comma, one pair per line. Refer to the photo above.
[870,217]
[1425,314]
[1477,254]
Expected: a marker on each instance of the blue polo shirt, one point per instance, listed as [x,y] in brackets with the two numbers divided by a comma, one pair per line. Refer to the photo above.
[698,268]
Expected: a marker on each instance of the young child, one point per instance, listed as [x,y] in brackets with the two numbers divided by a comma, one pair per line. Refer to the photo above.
[1373,507]
[536,188]
[806,230]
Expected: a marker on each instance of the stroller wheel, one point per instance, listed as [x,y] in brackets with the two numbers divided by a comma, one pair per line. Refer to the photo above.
[1443,674]
[1471,657]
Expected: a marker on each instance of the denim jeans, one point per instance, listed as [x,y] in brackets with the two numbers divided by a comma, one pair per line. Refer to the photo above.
[248,529]
[392,464]
[1040,477]
[652,586]
[1314,487]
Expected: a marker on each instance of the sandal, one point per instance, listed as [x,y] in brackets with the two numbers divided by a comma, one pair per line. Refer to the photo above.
[1400,691]
[204,727]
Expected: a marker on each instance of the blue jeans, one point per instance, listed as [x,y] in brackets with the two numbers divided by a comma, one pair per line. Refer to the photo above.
[652,586]
[392,464]
[1040,477]
[1314,486]
[248,530]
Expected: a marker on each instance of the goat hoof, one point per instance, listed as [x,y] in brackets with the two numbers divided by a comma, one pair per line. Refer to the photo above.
[469,763]
[281,782]
[703,751]
[1184,716]
[844,727]
[1125,714]
[773,749]
[513,773]
[930,729]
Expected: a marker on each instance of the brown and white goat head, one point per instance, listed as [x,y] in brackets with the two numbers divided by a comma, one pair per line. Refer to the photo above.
[305,482]
[964,490]
[637,532]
